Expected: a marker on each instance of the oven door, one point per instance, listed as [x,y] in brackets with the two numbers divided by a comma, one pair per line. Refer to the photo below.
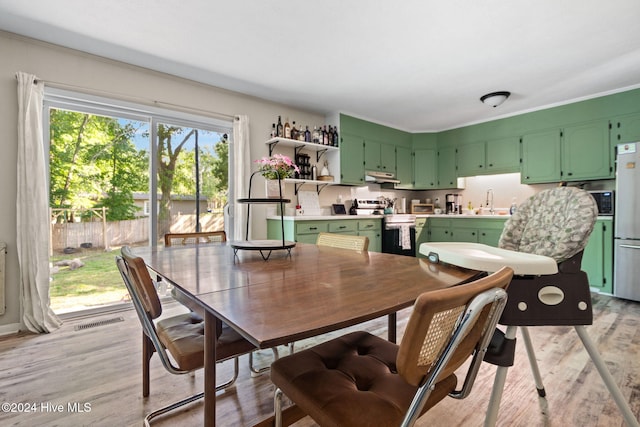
[396,241]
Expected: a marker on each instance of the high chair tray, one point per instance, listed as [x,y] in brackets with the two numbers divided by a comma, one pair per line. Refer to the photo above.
[477,256]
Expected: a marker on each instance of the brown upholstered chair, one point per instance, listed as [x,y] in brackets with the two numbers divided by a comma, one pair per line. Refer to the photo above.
[345,241]
[362,380]
[171,239]
[180,336]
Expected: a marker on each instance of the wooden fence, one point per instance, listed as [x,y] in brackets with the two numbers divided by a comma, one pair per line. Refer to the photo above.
[99,234]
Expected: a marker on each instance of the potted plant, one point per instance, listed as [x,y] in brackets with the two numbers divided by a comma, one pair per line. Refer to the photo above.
[275,169]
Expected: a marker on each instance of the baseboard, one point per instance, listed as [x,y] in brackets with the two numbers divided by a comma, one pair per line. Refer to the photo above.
[10,329]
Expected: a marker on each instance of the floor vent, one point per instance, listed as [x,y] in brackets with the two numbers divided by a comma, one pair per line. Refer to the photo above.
[98,323]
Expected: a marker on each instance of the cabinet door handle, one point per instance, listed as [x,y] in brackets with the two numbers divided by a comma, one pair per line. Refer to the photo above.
[473,233]
[313,228]
[369,225]
[342,226]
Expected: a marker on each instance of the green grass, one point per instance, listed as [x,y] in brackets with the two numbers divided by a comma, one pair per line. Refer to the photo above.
[97,283]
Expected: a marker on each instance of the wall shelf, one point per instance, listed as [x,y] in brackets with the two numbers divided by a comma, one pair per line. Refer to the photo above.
[319,149]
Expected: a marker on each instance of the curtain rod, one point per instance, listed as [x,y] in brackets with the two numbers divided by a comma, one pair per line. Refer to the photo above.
[130,98]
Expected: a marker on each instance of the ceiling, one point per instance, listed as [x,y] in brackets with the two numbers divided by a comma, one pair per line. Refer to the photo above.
[417,65]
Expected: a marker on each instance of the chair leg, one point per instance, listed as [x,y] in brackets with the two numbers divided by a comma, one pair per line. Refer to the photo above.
[147,352]
[629,418]
[532,361]
[236,369]
[277,407]
[498,385]
[258,371]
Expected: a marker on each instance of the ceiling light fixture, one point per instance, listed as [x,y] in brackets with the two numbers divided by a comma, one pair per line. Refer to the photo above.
[495,98]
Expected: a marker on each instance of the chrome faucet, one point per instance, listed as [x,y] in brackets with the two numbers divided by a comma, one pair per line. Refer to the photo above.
[490,201]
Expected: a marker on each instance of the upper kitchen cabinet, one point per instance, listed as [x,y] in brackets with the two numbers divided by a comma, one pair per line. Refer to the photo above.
[379,156]
[625,129]
[585,152]
[425,167]
[404,168]
[470,159]
[489,157]
[575,153]
[503,155]
[447,177]
[351,159]
[541,157]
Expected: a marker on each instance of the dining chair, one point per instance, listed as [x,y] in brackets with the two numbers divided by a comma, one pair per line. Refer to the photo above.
[171,239]
[344,241]
[178,340]
[360,379]
[555,223]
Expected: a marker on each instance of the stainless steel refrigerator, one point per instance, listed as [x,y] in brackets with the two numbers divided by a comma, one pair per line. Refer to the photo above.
[626,278]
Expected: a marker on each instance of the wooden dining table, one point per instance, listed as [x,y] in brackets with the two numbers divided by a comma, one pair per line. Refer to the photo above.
[290,297]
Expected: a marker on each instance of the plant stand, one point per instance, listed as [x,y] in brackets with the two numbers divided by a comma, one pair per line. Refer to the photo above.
[265,247]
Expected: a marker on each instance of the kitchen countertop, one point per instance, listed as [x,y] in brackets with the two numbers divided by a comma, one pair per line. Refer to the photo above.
[342,217]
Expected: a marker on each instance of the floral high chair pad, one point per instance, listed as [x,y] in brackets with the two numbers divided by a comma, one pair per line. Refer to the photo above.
[554,223]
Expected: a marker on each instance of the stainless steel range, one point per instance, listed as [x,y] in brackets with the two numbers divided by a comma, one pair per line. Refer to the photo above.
[399,234]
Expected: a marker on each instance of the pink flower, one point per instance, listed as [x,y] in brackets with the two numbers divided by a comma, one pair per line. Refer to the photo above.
[276,166]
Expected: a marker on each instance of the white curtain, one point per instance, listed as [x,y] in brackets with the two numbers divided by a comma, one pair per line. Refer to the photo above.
[32,208]
[241,172]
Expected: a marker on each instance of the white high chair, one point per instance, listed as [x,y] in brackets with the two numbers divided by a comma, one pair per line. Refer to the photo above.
[543,243]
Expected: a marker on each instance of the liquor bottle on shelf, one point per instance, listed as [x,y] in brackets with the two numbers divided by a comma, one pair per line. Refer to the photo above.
[325,136]
[307,135]
[301,131]
[335,136]
[316,135]
[287,129]
[273,131]
[330,136]
[279,128]
[294,131]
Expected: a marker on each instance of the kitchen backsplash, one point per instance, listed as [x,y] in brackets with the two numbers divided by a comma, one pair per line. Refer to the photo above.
[505,188]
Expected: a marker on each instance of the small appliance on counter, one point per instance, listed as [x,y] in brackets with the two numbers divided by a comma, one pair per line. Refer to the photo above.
[366,207]
[452,203]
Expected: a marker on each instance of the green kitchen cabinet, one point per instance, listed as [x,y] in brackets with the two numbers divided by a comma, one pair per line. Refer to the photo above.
[425,169]
[372,228]
[306,231]
[597,259]
[422,234]
[575,153]
[477,230]
[586,152]
[379,156]
[541,157]
[404,168]
[625,129]
[351,160]
[502,155]
[439,230]
[343,227]
[471,159]
[447,176]
[489,157]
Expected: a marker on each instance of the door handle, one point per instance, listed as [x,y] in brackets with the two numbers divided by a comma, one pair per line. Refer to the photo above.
[630,246]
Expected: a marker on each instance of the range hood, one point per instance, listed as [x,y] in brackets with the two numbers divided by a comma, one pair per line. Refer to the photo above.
[380,177]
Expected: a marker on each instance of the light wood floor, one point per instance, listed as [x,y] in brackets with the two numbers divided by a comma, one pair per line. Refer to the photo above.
[101,366]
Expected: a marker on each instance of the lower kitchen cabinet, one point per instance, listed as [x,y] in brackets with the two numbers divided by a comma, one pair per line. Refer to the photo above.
[597,259]
[306,231]
[458,229]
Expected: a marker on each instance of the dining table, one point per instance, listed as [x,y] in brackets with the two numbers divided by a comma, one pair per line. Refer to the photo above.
[294,295]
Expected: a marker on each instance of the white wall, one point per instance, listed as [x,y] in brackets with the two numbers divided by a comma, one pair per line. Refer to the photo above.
[99,76]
